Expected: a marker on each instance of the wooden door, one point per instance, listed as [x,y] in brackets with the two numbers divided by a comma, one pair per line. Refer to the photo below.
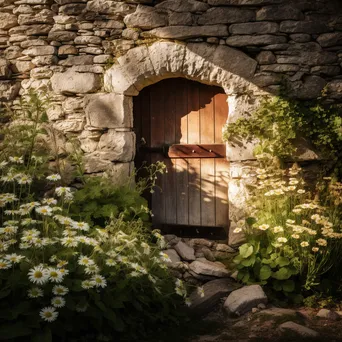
[188,116]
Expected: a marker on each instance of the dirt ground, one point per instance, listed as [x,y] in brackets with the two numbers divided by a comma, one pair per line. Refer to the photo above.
[252,327]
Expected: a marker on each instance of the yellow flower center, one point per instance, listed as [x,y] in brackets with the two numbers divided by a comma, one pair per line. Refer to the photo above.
[38,274]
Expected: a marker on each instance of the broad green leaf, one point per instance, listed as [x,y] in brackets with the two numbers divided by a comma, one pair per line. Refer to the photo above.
[246,250]
[288,285]
[265,272]
[282,274]
[282,261]
[249,261]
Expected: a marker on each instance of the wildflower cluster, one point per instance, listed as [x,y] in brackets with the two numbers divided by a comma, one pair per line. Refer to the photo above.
[65,263]
[292,237]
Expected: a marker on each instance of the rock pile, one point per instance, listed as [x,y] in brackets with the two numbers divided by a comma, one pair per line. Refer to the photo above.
[198,261]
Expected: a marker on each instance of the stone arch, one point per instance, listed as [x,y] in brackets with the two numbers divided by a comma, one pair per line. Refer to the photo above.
[210,64]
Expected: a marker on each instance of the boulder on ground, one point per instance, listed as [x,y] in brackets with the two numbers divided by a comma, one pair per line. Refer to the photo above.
[243,300]
[213,291]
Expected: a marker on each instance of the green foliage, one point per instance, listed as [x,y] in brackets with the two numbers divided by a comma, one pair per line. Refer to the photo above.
[293,238]
[98,201]
[279,122]
[112,268]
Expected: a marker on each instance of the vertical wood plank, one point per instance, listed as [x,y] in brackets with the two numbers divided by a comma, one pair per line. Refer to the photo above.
[157,140]
[194,174]
[221,115]
[169,191]
[221,192]
[158,196]
[208,192]
[180,87]
[169,112]
[207,119]
[193,114]
[182,191]
[157,97]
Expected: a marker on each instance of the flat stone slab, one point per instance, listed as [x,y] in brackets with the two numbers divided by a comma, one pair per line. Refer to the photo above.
[243,300]
[295,329]
[209,268]
[213,291]
[328,314]
[186,252]
[173,255]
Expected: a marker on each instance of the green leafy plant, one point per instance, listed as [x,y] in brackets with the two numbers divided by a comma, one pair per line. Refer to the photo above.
[292,237]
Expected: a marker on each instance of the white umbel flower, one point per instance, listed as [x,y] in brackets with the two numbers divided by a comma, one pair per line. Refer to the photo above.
[48,314]
[38,275]
[58,302]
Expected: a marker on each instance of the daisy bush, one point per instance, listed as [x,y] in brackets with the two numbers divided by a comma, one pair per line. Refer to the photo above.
[293,235]
[61,275]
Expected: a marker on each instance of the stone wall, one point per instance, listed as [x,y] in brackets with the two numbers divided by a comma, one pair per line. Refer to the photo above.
[93,56]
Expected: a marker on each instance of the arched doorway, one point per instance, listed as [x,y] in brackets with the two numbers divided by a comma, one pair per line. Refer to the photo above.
[179,122]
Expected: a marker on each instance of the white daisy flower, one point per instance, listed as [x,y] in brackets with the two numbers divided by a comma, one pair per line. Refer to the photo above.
[91,269]
[35,292]
[62,190]
[55,275]
[24,179]
[69,242]
[85,261]
[8,178]
[38,275]
[58,302]
[55,177]
[282,239]
[110,262]
[304,244]
[44,210]
[49,201]
[14,258]
[164,257]
[60,290]
[17,160]
[99,281]
[278,229]
[87,284]
[9,230]
[80,225]
[49,314]
[5,264]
